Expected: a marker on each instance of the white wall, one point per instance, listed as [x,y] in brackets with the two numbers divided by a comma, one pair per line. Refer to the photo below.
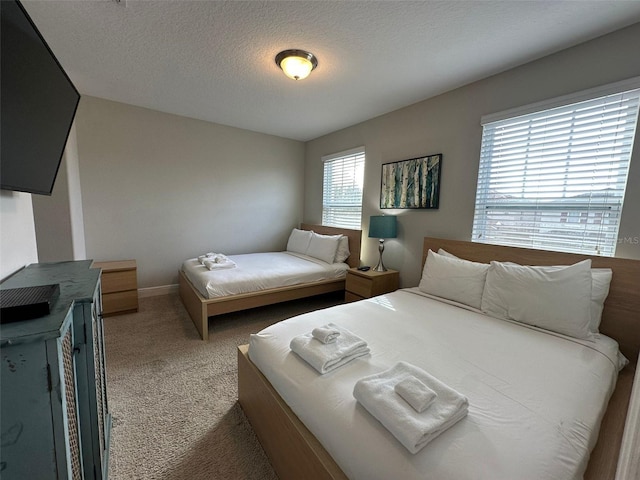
[75,196]
[52,220]
[161,188]
[58,218]
[17,233]
[450,124]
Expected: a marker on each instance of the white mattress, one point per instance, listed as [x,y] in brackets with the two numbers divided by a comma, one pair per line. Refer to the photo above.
[536,399]
[260,271]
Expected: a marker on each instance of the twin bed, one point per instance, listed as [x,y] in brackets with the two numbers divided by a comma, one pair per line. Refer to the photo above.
[539,399]
[268,278]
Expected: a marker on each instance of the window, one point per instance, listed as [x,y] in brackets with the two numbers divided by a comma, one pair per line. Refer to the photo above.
[555,178]
[342,189]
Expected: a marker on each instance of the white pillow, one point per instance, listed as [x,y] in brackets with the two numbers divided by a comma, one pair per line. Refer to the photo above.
[323,247]
[299,241]
[600,281]
[342,253]
[454,279]
[553,298]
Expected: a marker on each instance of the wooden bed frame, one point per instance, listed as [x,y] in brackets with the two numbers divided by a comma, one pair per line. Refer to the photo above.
[295,453]
[201,308]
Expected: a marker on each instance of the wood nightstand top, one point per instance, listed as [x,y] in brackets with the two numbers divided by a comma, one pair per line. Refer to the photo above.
[116,265]
[371,273]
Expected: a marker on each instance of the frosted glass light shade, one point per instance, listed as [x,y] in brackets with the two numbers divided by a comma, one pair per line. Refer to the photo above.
[296,67]
[296,64]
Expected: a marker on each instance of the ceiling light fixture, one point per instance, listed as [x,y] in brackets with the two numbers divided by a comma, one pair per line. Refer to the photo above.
[296,64]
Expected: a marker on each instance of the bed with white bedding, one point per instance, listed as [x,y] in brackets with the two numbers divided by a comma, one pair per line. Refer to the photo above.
[534,406]
[313,264]
[536,397]
[260,271]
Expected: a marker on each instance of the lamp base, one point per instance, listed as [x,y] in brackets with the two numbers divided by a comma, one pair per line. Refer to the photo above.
[380,266]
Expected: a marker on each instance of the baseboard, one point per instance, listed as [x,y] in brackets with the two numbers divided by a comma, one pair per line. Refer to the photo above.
[156,291]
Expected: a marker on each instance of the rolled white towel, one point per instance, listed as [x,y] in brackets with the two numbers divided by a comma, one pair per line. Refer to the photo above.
[415,393]
[326,333]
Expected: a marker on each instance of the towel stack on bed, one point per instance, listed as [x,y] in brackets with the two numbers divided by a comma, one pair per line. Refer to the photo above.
[215,261]
[328,347]
[413,405]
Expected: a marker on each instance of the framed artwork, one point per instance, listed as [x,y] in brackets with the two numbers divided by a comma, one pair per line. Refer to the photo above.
[413,183]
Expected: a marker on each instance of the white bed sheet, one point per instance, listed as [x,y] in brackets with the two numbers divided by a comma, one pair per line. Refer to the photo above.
[536,399]
[260,271]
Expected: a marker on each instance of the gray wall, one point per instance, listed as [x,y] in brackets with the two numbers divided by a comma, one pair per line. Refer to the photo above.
[162,188]
[450,124]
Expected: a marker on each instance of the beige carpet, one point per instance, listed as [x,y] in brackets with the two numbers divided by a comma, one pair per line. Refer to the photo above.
[173,397]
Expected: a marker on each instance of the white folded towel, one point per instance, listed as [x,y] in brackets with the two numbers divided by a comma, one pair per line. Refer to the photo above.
[214,257]
[207,256]
[327,333]
[217,263]
[415,393]
[325,357]
[414,430]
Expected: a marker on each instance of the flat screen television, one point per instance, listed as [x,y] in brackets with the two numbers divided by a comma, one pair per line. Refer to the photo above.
[37,105]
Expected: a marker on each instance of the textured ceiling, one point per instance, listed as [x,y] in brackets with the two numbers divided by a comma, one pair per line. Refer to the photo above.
[214,60]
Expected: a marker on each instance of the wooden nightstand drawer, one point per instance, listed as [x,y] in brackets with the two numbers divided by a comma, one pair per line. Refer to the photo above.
[350,297]
[358,285]
[369,284]
[119,286]
[119,281]
[119,302]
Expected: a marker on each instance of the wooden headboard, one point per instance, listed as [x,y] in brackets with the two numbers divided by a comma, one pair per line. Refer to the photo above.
[355,239]
[621,315]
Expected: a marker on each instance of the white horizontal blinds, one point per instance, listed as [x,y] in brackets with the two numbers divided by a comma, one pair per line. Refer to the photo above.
[342,189]
[555,179]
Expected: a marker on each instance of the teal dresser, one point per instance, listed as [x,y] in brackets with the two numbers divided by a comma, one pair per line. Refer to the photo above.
[55,420]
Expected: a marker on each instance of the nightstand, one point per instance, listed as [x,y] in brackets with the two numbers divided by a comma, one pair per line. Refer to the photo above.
[119,287]
[360,285]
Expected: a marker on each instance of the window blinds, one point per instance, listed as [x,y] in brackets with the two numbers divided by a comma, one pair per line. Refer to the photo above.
[555,179]
[342,189]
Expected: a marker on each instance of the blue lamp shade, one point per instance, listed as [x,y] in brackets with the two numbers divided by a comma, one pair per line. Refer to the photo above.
[383,226]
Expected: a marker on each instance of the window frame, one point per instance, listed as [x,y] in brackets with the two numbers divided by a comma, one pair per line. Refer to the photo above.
[329,218]
[595,210]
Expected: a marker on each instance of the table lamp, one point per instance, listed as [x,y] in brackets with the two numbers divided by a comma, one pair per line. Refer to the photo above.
[381,227]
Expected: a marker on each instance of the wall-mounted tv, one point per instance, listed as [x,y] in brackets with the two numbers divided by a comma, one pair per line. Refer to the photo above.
[37,105]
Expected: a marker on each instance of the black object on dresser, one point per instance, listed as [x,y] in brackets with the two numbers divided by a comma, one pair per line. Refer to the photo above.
[55,419]
[27,302]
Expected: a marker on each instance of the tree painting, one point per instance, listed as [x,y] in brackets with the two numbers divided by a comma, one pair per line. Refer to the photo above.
[411,183]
